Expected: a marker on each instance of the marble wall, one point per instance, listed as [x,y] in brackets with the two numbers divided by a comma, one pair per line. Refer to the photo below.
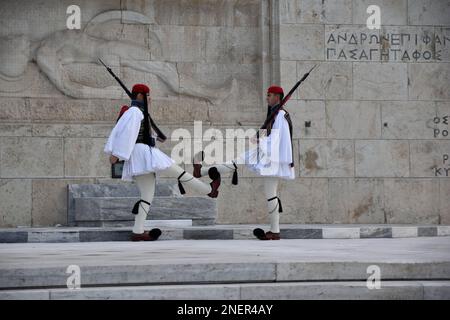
[379,108]
[375,148]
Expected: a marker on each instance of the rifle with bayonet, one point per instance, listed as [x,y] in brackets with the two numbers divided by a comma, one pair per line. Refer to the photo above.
[284,100]
[160,134]
[274,111]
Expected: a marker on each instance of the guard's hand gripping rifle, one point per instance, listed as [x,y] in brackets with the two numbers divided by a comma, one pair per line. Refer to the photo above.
[283,102]
[161,135]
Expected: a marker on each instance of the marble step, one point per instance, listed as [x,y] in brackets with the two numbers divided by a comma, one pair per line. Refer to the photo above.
[110,204]
[346,290]
[46,265]
[116,211]
[181,230]
[164,187]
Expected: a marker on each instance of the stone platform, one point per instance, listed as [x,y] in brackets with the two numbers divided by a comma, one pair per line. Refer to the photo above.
[414,268]
[221,232]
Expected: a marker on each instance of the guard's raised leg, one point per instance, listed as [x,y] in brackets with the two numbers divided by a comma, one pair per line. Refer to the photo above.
[185,179]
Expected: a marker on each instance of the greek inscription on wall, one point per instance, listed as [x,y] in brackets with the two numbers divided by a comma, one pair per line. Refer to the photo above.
[444,170]
[442,123]
[396,47]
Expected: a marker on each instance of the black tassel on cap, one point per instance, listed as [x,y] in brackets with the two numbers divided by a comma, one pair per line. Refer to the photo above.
[180,186]
[234,180]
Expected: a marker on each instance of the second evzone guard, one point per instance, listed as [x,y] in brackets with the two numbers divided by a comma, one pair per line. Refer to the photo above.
[272,159]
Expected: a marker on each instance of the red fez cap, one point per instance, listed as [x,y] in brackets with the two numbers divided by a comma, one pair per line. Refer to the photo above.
[275,89]
[140,88]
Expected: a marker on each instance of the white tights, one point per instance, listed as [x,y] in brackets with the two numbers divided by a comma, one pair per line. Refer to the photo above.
[146,185]
[270,190]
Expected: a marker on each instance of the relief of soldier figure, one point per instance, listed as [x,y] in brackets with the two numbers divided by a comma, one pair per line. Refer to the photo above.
[86,46]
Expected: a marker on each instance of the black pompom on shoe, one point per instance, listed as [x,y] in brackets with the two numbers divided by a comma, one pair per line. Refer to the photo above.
[155,233]
[213,173]
[260,234]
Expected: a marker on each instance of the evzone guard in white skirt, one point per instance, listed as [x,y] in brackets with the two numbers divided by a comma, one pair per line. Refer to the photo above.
[132,140]
[272,159]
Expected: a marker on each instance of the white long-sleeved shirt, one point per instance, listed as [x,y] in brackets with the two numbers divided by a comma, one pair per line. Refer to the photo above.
[139,158]
[275,151]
